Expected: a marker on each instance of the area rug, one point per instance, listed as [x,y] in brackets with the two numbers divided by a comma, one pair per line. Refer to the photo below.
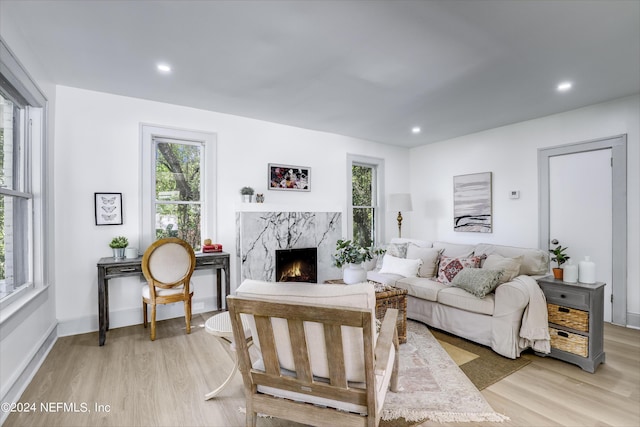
[432,386]
[480,364]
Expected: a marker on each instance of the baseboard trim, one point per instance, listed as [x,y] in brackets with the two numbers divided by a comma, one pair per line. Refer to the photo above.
[633,320]
[23,379]
[130,317]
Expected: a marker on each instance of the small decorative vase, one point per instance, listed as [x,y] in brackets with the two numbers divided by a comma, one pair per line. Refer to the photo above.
[557,273]
[354,273]
[118,253]
[246,198]
[131,253]
[570,272]
[586,271]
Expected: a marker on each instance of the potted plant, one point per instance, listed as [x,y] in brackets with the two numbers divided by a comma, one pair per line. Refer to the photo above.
[118,244]
[247,194]
[560,257]
[352,255]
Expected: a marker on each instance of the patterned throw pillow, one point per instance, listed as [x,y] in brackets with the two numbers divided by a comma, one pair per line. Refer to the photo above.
[398,250]
[477,281]
[450,266]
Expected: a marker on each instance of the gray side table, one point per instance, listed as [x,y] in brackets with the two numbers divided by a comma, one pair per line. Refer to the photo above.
[576,325]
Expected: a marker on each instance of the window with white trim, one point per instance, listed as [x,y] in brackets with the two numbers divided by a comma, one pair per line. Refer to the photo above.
[178,185]
[22,122]
[365,215]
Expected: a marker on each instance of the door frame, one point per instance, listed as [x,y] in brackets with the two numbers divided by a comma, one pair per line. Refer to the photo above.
[618,146]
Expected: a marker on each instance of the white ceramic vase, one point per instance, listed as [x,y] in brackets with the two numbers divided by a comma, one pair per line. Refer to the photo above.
[354,273]
[570,274]
[586,271]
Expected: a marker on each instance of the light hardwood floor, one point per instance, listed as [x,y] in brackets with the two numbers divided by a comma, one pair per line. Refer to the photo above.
[132,381]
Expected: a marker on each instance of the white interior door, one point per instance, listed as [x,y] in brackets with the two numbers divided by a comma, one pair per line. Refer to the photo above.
[580,209]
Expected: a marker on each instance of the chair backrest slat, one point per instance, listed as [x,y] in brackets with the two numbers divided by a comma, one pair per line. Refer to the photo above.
[268,344]
[301,355]
[333,341]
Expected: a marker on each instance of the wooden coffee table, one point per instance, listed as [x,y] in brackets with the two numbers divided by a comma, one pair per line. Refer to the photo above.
[388,297]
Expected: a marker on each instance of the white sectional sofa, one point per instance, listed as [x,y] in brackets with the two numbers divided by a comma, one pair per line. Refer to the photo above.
[494,319]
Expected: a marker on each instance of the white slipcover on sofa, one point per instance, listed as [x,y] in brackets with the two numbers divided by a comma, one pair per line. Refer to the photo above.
[494,319]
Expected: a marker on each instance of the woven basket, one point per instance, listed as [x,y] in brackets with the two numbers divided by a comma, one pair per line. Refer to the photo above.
[569,317]
[393,298]
[569,342]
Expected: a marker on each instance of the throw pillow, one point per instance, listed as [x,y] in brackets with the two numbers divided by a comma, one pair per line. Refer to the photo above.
[429,257]
[510,266]
[401,266]
[477,281]
[450,266]
[398,250]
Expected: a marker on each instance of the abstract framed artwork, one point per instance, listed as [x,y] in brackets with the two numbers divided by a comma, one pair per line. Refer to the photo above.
[289,178]
[472,203]
[108,207]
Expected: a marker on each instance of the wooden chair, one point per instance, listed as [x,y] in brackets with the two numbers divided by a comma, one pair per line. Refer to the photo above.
[318,364]
[167,265]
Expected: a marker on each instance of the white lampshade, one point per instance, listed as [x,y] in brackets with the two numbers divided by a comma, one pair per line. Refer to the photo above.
[399,202]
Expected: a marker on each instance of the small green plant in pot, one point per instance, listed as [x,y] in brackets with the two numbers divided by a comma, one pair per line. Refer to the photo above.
[352,255]
[247,194]
[559,257]
[118,244]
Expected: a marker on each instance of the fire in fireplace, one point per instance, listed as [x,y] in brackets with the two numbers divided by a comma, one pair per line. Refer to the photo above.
[297,265]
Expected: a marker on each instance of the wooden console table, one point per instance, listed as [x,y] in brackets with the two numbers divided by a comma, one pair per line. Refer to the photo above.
[109,268]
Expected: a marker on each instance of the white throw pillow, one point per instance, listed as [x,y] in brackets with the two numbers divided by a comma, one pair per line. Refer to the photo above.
[429,257]
[401,266]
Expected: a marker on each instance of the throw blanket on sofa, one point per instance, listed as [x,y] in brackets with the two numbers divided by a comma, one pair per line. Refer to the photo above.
[534,331]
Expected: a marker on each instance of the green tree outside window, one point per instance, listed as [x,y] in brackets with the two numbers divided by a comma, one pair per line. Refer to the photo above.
[178,192]
[362,195]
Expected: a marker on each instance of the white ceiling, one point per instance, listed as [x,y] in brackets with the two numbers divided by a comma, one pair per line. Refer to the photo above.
[367,69]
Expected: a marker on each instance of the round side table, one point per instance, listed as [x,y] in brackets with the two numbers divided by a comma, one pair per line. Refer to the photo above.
[219,325]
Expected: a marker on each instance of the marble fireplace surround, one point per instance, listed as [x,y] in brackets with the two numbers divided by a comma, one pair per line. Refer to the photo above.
[259,234]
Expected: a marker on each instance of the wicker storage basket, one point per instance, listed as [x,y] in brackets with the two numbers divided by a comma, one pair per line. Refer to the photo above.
[571,343]
[569,317]
[389,297]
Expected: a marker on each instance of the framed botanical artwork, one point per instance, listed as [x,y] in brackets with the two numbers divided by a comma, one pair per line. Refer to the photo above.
[472,203]
[289,178]
[108,208]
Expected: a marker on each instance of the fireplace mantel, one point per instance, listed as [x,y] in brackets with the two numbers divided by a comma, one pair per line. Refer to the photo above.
[280,207]
[263,230]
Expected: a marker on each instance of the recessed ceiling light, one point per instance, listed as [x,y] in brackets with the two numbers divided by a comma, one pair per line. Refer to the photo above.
[564,86]
[164,68]
[415,129]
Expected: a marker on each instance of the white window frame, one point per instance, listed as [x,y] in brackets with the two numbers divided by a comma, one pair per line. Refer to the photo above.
[378,178]
[149,133]
[23,91]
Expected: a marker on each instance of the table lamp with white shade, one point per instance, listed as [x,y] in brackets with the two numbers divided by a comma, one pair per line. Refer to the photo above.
[399,202]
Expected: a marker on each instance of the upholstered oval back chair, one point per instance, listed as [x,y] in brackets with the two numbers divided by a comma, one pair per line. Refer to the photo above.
[167,265]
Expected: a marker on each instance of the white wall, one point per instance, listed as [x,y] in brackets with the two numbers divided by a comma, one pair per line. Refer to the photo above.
[510,152]
[97,150]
